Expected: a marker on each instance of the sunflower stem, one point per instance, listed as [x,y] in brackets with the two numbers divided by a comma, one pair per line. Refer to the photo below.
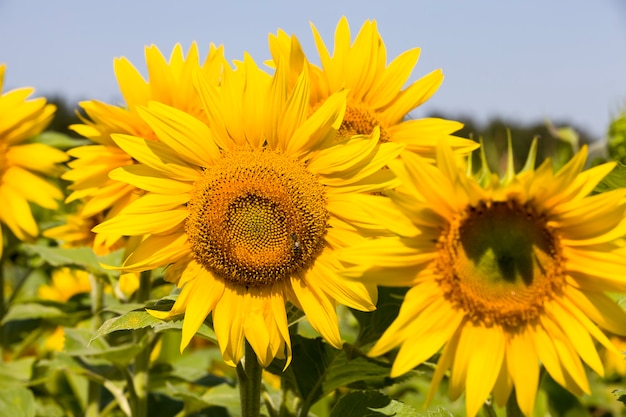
[249,374]
[512,407]
[93,388]
[142,361]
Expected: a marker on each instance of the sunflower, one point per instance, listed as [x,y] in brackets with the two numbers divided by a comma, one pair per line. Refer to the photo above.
[22,164]
[66,283]
[169,83]
[505,275]
[376,97]
[76,232]
[248,211]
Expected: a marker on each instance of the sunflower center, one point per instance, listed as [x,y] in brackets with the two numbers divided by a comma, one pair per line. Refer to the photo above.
[500,262]
[361,121]
[256,217]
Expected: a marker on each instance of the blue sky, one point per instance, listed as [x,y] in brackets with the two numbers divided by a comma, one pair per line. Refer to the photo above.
[524,61]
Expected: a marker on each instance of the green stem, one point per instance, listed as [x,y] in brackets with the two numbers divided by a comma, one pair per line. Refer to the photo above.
[512,408]
[142,361]
[93,388]
[249,375]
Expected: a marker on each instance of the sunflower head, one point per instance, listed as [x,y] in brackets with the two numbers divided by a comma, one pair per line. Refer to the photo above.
[248,209]
[169,82]
[376,93]
[21,174]
[506,274]
[66,283]
[75,232]
[257,218]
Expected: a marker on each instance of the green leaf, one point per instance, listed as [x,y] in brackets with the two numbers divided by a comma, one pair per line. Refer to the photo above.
[318,369]
[17,402]
[120,309]
[29,311]
[373,324]
[140,319]
[560,401]
[294,314]
[616,138]
[616,179]
[204,331]
[81,257]
[133,320]
[16,371]
[352,368]
[621,395]
[373,404]
[77,343]
[221,396]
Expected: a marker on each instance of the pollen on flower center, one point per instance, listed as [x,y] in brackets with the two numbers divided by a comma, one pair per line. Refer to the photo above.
[361,121]
[256,217]
[499,262]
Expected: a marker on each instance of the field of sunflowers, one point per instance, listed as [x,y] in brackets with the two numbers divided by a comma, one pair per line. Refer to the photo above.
[284,239]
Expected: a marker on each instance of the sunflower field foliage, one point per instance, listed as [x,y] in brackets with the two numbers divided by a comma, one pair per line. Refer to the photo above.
[287,238]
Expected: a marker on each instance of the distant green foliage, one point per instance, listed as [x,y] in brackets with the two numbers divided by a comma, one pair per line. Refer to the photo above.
[616,139]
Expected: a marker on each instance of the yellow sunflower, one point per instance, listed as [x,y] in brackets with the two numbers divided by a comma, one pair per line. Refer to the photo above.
[22,164]
[169,83]
[504,276]
[76,232]
[376,93]
[248,211]
[66,283]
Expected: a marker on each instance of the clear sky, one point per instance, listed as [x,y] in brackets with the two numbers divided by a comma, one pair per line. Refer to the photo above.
[521,60]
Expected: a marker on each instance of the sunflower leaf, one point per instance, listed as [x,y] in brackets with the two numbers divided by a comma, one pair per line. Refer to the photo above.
[77,343]
[216,398]
[373,324]
[140,319]
[616,179]
[17,402]
[16,371]
[318,369]
[81,257]
[132,320]
[28,311]
[375,404]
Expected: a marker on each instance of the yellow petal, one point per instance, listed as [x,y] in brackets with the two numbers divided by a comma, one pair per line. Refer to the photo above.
[582,342]
[486,346]
[16,214]
[32,187]
[523,365]
[319,309]
[157,156]
[146,178]
[156,251]
[189,137]
[427,334]
[417,300]
[205,292]
[228,322]
[349,293]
